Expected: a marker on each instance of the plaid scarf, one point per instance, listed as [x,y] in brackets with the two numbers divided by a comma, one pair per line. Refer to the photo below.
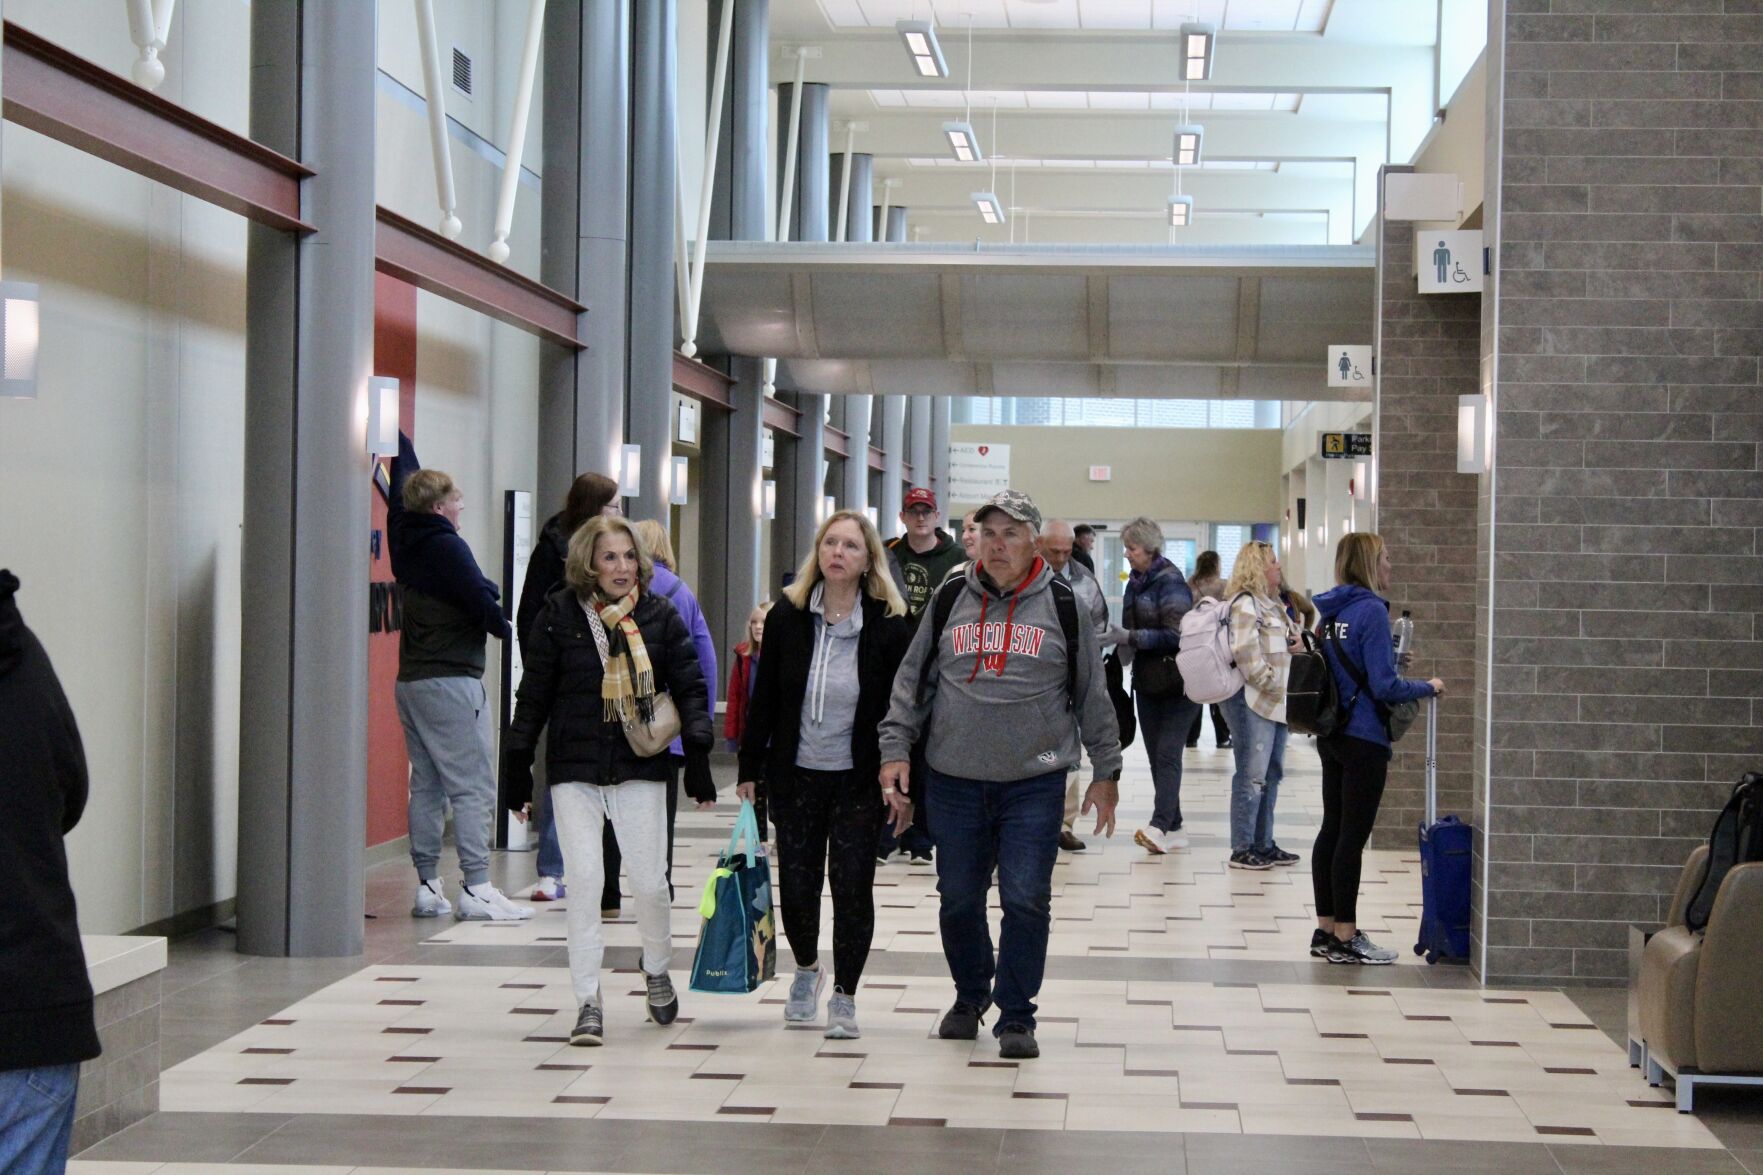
[627,690]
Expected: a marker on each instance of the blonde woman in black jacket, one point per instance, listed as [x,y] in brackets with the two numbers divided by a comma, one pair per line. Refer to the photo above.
[832,646]
[592,772]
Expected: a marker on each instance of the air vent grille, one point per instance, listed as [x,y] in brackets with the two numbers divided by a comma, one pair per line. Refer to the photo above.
[461,72]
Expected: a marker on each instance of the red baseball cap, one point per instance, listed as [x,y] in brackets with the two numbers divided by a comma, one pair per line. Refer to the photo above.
[919,496]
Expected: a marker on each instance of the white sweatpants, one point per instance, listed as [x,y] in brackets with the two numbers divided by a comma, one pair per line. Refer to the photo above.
[638,810]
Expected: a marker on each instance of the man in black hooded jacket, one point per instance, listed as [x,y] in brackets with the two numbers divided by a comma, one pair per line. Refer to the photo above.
[46,1025]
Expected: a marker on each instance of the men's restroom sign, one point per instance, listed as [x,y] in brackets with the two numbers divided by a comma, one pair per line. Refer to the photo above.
[1448,262]
[1349,366]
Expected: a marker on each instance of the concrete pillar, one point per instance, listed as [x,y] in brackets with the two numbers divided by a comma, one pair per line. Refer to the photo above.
[585,240]
[939,448]
[649,400]
[893,445]
[894,231]
[857,414]
[860,204]
[808,212]
[801,482]
[309,354]
[738,204]
[918,419]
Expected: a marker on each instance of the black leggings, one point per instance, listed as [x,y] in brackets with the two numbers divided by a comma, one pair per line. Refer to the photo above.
[827,818]
[1220,728]
[1353,775]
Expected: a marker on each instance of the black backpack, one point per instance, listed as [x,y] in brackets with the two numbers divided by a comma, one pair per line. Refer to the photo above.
[1737,839]
[1313,703]
[1064,603]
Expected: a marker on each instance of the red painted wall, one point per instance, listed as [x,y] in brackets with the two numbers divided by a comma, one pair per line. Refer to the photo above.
[388,768]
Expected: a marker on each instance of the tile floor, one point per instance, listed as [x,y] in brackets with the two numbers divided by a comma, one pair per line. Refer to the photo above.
[1183,1028]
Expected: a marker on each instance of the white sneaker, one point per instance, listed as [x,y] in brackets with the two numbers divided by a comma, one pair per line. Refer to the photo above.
[431,901]
[486,903]
[1174,839]
[549,889]
[1151,840]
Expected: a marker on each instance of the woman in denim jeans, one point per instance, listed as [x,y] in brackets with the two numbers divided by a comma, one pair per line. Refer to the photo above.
[1262,638]
[1157,597]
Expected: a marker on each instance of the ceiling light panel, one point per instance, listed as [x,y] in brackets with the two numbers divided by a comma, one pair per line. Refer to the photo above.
[1186,145]
[982,100]
[991,209]
[963,143]
[920,39]
[1275,16]
[1195,48]
[1181,211]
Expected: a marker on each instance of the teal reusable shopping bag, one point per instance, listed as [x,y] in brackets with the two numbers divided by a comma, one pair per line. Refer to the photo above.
[737,944]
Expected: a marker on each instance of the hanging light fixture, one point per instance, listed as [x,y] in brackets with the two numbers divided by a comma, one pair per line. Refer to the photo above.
[920,37]
[990,209]
[19,322]
[1198,42]
[959,132]
[1188,139]
[1181,211]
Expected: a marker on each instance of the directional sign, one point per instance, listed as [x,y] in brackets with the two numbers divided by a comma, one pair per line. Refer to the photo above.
[1346,444]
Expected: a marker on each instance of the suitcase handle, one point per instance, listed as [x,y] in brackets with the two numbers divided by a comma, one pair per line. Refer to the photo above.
[1432,761]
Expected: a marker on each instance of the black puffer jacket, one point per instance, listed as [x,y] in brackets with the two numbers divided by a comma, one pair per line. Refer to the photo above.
[774,712]
[45,996]
[560,687]
[544,571]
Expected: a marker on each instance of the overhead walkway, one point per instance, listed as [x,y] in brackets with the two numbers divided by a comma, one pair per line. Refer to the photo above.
[1041,320]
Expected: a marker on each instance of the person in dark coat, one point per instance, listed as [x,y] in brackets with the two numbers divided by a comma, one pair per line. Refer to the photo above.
[46,1024]
[833,644]
[593,774]
[590,495]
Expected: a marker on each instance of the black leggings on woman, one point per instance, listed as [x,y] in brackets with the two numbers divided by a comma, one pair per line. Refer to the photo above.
[1353,774]
[826,817]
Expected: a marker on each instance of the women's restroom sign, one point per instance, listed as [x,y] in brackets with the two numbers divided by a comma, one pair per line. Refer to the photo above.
[1349,366]
[1448,262]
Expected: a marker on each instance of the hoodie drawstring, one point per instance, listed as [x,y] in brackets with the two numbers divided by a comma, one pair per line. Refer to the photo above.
[1009,619]
[817,673]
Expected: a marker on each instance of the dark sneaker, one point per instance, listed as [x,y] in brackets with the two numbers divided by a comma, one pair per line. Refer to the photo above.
[663,1002]
[1279,856]
[921,857]
[1360,950]
[590,1029]
[961,1022]
[1319,942]
[1194,746]
[1069,842]
[1225,745]
[1016,1042]
[1249,859]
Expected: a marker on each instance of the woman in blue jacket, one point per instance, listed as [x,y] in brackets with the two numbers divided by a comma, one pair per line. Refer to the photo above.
[1356,758]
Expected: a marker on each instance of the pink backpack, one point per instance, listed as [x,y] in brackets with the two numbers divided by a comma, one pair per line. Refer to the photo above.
[1209,670]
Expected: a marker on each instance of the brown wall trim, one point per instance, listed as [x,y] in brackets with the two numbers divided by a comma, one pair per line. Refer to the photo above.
[780,417]
[73,101]
[424,258]
[876,461]
[702,383]
[838,442]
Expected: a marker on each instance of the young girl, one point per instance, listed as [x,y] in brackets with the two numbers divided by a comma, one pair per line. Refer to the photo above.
[742,676]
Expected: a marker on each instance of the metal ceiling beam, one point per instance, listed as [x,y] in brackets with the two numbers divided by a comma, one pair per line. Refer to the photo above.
[703,384]
[408,251]
[71,100]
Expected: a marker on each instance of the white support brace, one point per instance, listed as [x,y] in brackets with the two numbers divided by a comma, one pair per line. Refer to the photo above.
[435,96]
[887,203]
[682,267]
[150,29]
[712,144]
[523,107]
[845,182]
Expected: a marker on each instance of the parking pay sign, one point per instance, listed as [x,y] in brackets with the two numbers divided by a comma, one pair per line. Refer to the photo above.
[1448,262]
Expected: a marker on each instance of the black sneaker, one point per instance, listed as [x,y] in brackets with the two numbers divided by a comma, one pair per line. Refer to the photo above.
[921,857]
[589,1028]
[1361,951]
[1016,1042]
[1225,745]
[663,1002]
[1319,941]
[1279,856]
[1249,859]
[962,1021]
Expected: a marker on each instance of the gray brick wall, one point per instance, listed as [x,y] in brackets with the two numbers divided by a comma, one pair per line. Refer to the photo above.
[1429,348]
[1626,148]
[120,1087]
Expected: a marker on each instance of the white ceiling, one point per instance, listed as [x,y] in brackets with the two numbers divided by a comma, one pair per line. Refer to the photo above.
[1282,16]
[981,101]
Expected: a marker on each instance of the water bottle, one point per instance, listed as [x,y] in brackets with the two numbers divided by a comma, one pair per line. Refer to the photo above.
[1402,636]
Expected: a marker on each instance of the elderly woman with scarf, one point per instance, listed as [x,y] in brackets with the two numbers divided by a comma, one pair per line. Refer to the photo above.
[593,773]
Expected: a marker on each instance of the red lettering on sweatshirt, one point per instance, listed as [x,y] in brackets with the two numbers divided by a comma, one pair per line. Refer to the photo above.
[965,640]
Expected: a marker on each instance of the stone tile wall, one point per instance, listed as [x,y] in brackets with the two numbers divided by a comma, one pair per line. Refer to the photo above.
[1427,353]
[1625,325]
[120,1087]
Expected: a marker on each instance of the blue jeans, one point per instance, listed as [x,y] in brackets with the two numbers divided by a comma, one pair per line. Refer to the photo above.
[1166,722]
[1015,827]
[36,1117]
[1259,745]
[550,852]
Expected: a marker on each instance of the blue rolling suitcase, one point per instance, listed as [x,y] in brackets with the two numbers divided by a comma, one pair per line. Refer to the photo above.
[1444,866]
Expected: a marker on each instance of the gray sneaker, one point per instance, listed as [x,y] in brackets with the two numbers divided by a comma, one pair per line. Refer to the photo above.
[803,1006]
[1360,950]
[841,1018]
[663,1002]
[590,1029]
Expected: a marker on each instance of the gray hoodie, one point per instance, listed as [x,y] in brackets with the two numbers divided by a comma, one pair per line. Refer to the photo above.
[1000,713]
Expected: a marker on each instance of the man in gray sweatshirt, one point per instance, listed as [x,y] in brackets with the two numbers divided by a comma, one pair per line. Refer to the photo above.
[1002,700]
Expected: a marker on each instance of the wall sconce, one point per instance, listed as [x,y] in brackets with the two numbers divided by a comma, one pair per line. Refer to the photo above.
[870,513]
[768,496]
[829,506]
[1472,433]
[19,321]
[1358,481]
[382,415]
[630,471]
[681,474]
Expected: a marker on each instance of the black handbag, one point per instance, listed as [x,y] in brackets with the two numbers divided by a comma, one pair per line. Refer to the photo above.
[1124,718]
[1156,674]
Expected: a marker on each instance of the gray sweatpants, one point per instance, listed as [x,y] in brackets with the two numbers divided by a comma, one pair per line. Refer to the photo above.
[447,734]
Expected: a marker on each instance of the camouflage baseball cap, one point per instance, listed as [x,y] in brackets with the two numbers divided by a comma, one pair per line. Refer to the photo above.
[1015,503]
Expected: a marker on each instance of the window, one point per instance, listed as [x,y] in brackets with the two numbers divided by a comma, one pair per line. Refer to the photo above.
[1227,539]
[1463,34]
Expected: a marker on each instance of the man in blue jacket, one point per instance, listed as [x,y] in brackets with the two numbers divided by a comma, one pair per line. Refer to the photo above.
[449,610]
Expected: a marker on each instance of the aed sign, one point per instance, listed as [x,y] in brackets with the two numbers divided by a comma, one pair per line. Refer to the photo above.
[1101,473]
[1346,444]
[1448,262]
